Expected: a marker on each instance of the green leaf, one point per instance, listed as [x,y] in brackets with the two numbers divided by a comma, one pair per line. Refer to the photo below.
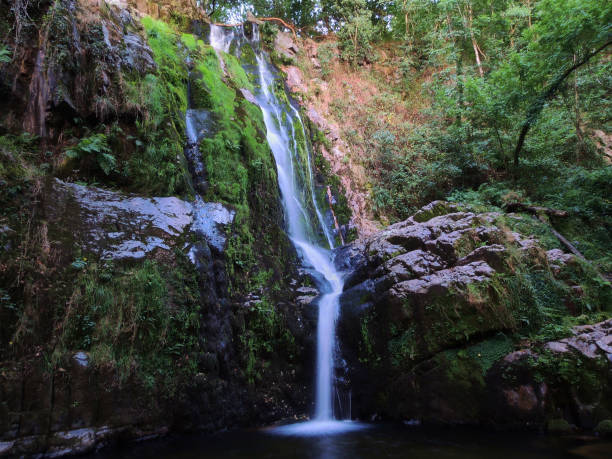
[107,162]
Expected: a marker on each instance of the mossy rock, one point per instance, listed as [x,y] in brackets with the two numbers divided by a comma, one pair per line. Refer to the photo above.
[434,209]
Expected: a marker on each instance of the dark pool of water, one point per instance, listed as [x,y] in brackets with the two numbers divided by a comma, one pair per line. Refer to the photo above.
[378,441]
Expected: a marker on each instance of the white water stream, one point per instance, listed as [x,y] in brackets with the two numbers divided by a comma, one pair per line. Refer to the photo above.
[280,120]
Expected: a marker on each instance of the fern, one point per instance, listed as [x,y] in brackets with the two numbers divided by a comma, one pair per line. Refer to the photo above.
[94,146]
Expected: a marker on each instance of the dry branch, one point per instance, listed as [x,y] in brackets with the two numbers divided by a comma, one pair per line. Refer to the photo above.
[535,210]
[256,19]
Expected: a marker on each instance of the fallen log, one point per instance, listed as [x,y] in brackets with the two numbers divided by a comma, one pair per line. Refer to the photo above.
[535,210]
[572,248]
[563,241]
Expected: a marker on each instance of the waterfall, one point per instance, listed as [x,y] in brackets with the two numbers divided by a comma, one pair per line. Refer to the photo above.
[302,226]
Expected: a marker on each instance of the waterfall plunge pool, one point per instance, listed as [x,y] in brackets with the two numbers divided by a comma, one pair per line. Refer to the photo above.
[375,441]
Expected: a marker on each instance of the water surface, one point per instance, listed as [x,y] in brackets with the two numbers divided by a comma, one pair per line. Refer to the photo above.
[377,441]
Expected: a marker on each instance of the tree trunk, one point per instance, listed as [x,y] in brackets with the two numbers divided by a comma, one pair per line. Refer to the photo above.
[536,107]
[473,37]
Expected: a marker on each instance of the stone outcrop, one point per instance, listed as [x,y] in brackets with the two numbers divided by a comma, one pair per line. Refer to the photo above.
[78,405]
[116,226]
[285,46]
[429,319]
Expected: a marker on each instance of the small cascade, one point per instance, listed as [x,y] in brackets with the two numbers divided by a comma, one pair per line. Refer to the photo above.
[304,222]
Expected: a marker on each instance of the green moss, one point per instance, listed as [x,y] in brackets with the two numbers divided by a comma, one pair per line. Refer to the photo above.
[247,56]
[558,426]
[403,346]
[440,208]
[368,354]
[487,352]
[158,166]
[461,370]
[572,373]
[264,339]
[17,160]
[240,170]
[236,72]
[456,317]
[190,41]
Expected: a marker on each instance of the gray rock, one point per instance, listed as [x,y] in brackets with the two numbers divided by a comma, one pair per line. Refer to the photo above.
[284,45]
[413,264]
[492,254]
[591,341]
[434,209]
[136,54]
[248,95]
[81,358]
[210,220]
[557,258]
[441,281]
[6,446]
[119,226]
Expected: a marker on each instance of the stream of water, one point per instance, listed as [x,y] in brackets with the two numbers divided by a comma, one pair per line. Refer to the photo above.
[303,225]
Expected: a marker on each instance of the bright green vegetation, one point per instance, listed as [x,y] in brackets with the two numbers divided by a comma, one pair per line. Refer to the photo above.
[240,167]
[142,321]
[583,192]
[264,337]
[94,149]
[134,137]
[157,165]
[474,97]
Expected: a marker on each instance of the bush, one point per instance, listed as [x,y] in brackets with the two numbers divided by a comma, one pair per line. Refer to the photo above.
[327,52]
[5,55]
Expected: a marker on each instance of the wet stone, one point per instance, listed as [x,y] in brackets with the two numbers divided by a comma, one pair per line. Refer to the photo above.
[210,220]
[118,226]
[81,358]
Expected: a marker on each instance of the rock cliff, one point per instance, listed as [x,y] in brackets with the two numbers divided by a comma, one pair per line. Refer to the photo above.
[445,319]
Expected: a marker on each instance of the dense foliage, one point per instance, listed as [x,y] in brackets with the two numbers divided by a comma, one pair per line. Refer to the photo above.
[510,101]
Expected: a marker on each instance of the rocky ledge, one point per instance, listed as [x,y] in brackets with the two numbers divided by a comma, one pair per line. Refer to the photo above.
[447,317]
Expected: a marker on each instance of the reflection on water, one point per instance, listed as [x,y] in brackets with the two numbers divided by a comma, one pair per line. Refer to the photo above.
[379,441]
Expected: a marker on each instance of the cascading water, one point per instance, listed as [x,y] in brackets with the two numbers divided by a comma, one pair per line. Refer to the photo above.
[297,197]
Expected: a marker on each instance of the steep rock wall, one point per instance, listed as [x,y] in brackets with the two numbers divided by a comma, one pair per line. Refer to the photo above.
[126,310]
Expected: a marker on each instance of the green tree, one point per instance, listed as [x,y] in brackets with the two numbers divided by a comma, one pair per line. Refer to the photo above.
[356,32]
[567,35]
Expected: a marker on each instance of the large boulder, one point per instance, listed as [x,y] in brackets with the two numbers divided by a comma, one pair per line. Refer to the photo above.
[429,318]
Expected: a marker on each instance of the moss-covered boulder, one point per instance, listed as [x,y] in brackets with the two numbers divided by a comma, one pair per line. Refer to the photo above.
[434,307]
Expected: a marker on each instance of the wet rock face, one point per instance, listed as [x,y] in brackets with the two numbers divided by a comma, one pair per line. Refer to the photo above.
[425,334]
[415,276]
[118,226]
[95,52]
[566,379]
